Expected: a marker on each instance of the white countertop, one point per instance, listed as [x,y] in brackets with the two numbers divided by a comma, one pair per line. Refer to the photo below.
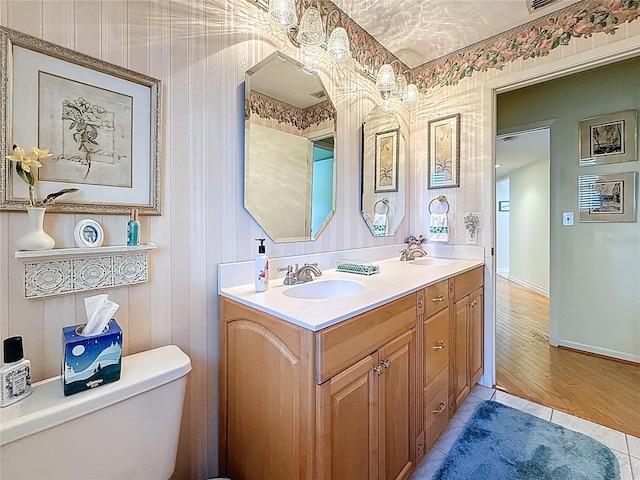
[396,279]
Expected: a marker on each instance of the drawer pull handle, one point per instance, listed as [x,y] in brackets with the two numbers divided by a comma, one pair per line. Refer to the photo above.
[440,409]
[474,303]
[384,363]
[440,345]
[378,370]
[439,298]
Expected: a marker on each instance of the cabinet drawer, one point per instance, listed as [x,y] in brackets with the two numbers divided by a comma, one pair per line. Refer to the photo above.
[436,297]
[344,344]
[467,282]
[436,414]
[436,345]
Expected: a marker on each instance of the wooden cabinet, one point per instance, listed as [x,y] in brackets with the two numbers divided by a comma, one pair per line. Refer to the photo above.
[436,344]
[366,416]
[467,354]
[267,403]
[338,403]
[362,399]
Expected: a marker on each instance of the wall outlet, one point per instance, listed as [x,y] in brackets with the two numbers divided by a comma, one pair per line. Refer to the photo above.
[567,218]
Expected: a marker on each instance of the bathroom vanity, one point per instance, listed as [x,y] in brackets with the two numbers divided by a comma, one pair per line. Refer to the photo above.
[355,387]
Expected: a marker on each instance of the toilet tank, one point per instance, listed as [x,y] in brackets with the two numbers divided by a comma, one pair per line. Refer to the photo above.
[125,430]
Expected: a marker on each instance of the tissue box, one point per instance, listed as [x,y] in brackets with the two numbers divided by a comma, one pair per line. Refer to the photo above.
[89,362]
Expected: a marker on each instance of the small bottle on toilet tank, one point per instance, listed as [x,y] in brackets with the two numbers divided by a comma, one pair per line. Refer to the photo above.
[15,374]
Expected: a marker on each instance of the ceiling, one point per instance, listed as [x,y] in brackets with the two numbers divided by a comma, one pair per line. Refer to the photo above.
[517,150]
[418,31]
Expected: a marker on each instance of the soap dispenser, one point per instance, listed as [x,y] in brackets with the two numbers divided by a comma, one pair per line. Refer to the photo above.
[261,268]
[15,374]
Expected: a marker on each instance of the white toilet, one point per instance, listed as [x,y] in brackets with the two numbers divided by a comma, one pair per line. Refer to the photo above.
[126,430]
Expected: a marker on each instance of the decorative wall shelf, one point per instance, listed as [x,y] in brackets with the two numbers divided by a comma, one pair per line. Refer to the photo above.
[72,270]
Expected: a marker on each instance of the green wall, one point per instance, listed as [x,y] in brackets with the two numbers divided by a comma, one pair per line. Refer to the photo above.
[594,267]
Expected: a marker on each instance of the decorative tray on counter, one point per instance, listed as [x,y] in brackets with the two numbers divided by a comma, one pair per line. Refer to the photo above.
[361,267]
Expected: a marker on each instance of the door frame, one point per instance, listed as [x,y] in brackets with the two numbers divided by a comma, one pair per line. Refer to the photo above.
[593,58]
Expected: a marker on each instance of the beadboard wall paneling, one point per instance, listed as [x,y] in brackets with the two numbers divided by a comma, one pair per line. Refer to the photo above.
[200,50]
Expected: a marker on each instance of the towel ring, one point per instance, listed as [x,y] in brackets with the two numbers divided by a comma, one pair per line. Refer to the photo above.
[384,202]
[441,199]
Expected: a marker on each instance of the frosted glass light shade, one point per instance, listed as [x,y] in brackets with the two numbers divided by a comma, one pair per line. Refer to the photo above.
[338,47]
[311,31]
[283,12]
[386,80]
[411,94]
[401,85]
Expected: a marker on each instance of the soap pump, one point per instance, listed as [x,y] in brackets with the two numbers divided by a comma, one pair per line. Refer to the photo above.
[261,268]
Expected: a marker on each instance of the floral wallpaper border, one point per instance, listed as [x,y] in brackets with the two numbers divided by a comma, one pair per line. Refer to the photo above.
[270,108]
[534,39]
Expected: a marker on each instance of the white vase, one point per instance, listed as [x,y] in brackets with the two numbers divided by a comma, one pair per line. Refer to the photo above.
[36,238]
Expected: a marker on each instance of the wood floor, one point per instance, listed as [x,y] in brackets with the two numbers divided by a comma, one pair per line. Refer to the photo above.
[594,388]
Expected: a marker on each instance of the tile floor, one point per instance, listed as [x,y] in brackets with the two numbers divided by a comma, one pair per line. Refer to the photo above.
[626,447]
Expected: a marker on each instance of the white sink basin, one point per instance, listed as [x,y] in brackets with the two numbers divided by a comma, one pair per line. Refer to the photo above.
[323,289]
[432,262]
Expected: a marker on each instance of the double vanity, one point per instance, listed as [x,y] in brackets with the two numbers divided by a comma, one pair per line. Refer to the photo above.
[347,376]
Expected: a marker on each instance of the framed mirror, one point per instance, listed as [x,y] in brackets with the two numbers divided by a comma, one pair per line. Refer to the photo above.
[383,172]
[289,160]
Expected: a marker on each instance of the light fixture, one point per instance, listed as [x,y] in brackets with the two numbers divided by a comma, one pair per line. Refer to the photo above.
[312,31]
[394,89]
[386,80]
[338,46]
[283,13]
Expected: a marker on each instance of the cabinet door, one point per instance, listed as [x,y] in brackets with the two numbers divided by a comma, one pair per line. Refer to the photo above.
[460,358]
[397,407]
[476,336]
[348,423]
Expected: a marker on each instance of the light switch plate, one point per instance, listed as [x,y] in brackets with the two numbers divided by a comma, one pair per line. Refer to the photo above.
[567,218]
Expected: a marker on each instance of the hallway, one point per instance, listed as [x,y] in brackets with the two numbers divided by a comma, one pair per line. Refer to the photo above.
[598,389]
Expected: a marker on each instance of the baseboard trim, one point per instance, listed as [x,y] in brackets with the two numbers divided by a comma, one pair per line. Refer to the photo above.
[528,285]
[600,352]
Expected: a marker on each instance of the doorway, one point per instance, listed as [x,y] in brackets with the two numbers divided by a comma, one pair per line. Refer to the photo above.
[587,271]
[522,255]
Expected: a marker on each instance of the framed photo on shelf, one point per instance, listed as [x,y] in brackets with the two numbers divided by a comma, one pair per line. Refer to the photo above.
[608,198]
[386,162]
[443,159]
[100,122]
[88,233]
[609,138]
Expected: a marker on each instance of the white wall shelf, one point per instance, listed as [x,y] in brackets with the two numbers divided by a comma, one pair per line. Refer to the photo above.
[72,270]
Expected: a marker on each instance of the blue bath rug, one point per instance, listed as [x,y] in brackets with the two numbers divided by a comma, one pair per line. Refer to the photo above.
[502,443]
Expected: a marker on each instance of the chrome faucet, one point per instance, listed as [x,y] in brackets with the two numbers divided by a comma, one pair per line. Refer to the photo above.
[410,253]
[300,275]
[413,249]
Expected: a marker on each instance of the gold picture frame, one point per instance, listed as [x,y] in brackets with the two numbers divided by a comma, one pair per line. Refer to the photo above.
[35,93]
[386,162]
[443,158]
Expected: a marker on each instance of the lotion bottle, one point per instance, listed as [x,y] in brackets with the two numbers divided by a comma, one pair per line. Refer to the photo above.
[15,374]
[133,229]
[261,275]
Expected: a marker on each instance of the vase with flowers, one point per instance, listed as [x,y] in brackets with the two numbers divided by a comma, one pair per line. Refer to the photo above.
[27,163]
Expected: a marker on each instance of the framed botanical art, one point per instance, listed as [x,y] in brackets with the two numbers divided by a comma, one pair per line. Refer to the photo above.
[443,159]
[608,198]
[100,123]
[386,161]
[609,138]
